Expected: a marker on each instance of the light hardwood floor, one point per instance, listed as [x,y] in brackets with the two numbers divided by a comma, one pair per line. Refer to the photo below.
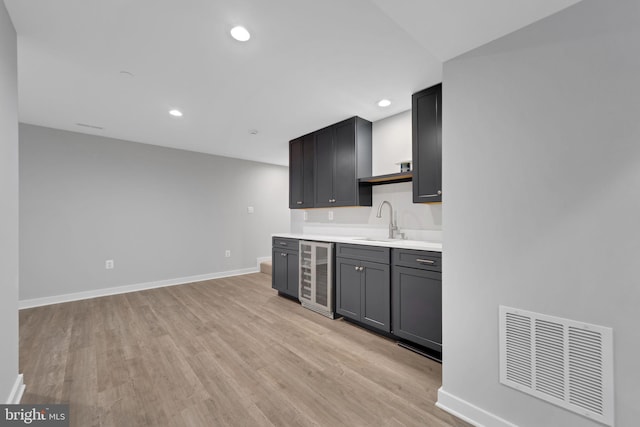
[225,352]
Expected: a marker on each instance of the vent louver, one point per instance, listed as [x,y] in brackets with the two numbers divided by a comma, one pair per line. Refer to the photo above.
[562,361]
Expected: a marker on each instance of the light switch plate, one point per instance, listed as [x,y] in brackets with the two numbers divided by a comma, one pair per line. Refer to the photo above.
[250,209]
[330,215]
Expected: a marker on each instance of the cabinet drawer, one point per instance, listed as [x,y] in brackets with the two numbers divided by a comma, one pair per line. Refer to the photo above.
[424,260]
[363,252]
[285,243]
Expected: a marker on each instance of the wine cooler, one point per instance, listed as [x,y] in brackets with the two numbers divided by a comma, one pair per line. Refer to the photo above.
[316,277]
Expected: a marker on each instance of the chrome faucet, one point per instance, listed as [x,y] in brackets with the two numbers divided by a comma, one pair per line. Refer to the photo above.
[392,225]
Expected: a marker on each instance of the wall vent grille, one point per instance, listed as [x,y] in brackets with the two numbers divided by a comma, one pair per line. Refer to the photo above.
[562,361]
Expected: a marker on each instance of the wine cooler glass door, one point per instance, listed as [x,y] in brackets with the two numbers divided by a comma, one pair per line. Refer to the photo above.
[322,276]
[316,277]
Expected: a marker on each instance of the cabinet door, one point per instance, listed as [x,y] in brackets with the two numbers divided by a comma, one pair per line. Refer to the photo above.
[279,274]
[348,292]
[417,306]
[325,158]
[375,297]
[292,274]
[296,174]
[427,145]
[308,159]
[301,159]
[345,182]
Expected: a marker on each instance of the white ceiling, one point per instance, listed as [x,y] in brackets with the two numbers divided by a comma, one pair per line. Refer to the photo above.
[308,64]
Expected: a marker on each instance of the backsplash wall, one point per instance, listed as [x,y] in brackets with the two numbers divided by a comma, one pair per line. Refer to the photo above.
[391,144]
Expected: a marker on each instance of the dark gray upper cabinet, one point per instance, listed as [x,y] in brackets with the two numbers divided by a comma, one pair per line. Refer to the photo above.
[301,162]
[427,145]
[324,160]
[342,155]
[345,167]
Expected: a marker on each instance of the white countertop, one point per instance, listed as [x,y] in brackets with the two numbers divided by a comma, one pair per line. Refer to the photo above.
[362,240]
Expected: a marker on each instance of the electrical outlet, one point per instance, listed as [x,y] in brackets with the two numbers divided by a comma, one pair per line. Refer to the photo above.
[227,253]
[305,215]
[108,264]
[249,209]
[330,215]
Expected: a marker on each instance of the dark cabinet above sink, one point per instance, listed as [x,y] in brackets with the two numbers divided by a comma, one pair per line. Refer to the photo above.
[343,154]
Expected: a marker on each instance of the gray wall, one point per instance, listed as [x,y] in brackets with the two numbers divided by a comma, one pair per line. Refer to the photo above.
[391,140]
[159,213]
[8,206]
[542,175]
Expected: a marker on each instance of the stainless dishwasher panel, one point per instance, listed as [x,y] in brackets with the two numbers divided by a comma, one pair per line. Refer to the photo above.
[316,277]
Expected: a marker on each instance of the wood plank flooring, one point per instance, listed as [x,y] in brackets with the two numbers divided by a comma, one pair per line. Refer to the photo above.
[225,352]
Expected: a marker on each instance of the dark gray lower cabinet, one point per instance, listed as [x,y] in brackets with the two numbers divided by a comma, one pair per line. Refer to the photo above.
[376,294]
[348,292]
[363,290]
[284,264]
[417,305]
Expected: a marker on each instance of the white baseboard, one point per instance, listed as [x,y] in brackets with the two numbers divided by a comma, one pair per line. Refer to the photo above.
[56,299]
[469,412]
[17,391]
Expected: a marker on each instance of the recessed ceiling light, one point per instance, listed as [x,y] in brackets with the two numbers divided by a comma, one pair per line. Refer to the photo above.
[176,113]
[384,103]
[240,33]
[253,131]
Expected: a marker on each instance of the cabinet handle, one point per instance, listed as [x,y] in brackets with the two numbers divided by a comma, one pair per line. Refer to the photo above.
[283,254]
[283,243]
[439,193]
[425,261]
[299,202]
[332,200]
[356,268]
[361,268]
